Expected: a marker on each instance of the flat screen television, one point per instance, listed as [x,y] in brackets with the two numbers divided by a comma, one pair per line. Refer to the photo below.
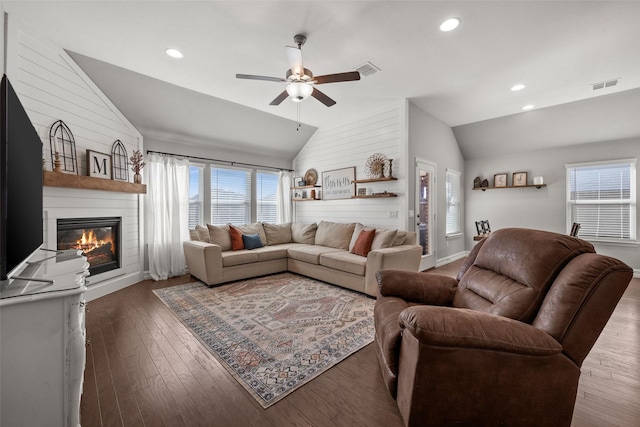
[21,226]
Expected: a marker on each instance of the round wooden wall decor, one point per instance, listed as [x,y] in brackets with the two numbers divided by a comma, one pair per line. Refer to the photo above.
[311,177]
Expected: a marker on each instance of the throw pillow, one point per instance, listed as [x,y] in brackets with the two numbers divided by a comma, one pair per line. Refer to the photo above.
[399,239]
[219,235]
[252,241]
[277,233]
[303,233]
[363,243]
[236,238]
[356,233]
[193,235]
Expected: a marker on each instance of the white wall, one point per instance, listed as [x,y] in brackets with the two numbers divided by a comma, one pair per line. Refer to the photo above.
[432,140]
[540,208]
[382,131]
[52,87]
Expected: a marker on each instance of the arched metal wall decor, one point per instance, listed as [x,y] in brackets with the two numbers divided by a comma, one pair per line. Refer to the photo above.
[63,148]
[120,161]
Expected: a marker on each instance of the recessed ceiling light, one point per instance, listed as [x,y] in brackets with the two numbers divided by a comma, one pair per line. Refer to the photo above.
[450,24]
[517,87]
[174,53]
[528,107]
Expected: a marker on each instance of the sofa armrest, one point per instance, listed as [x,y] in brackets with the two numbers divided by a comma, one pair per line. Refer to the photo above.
[404,257]
[469,329]
[423,288]
[204,261]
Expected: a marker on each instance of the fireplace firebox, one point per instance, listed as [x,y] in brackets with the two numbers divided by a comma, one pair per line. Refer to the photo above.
[98,238]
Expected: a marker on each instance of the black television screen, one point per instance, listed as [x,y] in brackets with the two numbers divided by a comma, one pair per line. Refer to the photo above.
[21,226]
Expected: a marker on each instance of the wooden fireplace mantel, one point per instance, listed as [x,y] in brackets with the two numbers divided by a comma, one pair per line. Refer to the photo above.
[59,179]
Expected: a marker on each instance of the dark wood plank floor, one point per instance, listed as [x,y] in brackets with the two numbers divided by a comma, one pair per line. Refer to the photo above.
[144,368]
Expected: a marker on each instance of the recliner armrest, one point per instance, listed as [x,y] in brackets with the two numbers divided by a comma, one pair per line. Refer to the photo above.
[424,288]
[458,327]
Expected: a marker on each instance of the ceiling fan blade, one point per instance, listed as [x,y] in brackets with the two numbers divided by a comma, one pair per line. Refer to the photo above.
[295,60]
[335,78]
[266,78]
[279,98]
[322,97]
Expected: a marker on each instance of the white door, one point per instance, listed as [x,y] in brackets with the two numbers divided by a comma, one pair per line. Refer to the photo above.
[425,211]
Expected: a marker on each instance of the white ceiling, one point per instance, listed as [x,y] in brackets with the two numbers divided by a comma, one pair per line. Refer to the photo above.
[558,49]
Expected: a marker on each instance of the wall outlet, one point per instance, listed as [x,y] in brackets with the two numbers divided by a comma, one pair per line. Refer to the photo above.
[393,214]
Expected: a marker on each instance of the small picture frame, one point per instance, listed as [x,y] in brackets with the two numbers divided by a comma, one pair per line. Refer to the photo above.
[519,179]
[500,180]
[297,194]
[296,180]
[362,191]
[479,227]
[98,165]
[486,228]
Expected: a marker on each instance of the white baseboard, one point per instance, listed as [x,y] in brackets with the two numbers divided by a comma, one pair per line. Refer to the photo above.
[106,287]
[446,260]
[636,272]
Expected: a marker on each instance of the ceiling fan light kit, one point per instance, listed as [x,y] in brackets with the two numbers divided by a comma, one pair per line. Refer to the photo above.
[301,81]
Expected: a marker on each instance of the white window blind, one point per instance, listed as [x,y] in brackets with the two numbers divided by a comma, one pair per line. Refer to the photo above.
[196,195]
[601,197]
[452,194]
[230,196]
[266,190]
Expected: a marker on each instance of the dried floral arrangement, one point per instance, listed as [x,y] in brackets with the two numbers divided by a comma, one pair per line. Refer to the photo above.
[136,161]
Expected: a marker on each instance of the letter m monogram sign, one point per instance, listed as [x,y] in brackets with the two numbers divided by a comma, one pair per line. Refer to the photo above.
[98,164]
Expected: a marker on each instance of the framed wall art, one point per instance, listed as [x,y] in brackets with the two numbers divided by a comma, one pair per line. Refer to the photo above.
[519,179]
[500,180]
[98,164]
[338,184]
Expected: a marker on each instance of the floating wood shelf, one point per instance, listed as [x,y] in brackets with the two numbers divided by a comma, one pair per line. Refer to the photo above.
[375,196]
[306,186]
[59,179]
[365,181]
[510,186]
[305,200]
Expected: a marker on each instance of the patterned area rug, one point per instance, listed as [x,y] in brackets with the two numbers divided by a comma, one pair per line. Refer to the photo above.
[274,333]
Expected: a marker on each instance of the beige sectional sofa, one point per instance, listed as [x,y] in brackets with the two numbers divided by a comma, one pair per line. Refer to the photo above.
[321,251]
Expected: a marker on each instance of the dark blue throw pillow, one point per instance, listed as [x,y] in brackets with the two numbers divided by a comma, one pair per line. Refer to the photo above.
[252,241]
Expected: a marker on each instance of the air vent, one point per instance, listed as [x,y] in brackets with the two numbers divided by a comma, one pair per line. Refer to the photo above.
[608,83]
[367,69]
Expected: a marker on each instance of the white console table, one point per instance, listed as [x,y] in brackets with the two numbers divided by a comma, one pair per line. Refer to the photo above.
[42,342]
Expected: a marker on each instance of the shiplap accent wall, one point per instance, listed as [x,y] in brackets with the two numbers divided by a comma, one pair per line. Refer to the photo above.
[383,131]
[52,87]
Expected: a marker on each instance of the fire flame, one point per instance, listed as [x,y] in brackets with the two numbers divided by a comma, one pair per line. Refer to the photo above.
[89,242]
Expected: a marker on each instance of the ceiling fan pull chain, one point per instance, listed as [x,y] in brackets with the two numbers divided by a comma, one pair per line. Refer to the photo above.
[298,110]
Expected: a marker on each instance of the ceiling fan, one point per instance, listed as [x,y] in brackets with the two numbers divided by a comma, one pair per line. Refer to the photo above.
[301,80]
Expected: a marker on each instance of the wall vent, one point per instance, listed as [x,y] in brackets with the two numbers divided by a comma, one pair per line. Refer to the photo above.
[608,83]
[367,69]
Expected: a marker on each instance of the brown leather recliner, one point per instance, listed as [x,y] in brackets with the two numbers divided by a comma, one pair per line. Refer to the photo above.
[502,344]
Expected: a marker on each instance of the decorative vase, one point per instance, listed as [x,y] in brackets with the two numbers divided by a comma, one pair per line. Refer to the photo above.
[137,178]
[390,168]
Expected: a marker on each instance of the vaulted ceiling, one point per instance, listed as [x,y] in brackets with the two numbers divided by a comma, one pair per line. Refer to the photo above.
[556,48]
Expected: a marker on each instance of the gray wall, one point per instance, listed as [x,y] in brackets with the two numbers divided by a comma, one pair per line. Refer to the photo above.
[539,208]
[432,140]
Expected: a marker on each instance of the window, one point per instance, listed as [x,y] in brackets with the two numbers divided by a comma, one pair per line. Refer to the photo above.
[230,195]
[196,195]
[452,194]
[266,189]
[601,197]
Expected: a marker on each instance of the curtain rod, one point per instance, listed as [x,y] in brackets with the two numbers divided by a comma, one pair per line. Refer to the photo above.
[219,161]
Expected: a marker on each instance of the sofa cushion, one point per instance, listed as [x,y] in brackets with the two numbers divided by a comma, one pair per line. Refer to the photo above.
[219,235]
[334,235]
[277,234]
[231,258]
[203,234]
[269,253]
[344,261]
[303,233]
[399,238]
[252,241]
[363,243]
[310,253]
[255,228]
